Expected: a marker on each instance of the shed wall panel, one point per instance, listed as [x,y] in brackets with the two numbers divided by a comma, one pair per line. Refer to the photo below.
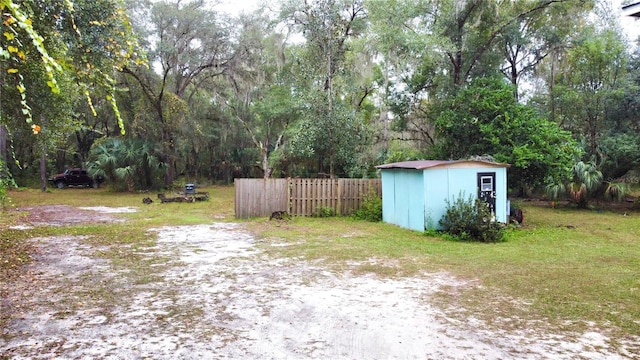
[415,198]
[388,196]
[436,184]
[403,198]
[501,196]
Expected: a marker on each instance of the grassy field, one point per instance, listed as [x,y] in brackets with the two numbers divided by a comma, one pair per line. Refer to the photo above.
[565,268]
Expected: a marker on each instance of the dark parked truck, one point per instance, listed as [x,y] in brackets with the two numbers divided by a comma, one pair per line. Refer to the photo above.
[75,177]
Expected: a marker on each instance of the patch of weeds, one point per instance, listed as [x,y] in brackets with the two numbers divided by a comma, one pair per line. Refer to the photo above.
[432,233]
[63,314]
[148,279]
[380,270]
[6,181]
[105,294]
[185,314]
[324,212]
[371,208]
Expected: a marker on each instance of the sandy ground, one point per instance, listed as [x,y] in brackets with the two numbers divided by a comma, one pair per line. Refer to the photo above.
[217,295]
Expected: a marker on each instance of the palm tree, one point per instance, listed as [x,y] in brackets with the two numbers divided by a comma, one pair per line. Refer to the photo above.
[554,190]
[615,191]
[134,161]
[587,179]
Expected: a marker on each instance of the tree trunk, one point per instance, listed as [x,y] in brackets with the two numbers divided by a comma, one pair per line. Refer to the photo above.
[330,112]
[552,80]
[168,157]
[43,171]
[3,144]
[384,114]
[196,163]
[265,164]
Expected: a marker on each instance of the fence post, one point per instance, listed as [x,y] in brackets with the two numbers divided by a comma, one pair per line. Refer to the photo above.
[339,193]
[289,188]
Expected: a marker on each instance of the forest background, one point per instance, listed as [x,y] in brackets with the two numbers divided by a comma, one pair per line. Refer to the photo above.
[150,93]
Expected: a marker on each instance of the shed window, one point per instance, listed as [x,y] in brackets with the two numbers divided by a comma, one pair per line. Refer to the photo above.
[486,183]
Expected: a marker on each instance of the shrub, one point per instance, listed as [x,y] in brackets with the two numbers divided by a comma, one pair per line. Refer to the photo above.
[3,195]
[471,219]
[371,209]
[324,211]
[615,191]
[6,181]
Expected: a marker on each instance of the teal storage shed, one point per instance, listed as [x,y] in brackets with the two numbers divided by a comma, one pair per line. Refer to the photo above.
[415,193]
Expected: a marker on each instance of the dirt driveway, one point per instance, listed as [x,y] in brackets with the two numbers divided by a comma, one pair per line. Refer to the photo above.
[216,294]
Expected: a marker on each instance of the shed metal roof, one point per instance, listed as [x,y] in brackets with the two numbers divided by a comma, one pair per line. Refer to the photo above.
[633,9]
[427,164]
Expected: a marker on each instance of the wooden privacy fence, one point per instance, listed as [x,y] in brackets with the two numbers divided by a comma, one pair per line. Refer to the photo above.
[301,197]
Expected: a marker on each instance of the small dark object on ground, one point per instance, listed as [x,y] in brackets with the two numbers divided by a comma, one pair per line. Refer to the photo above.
[279,215]
[147,200]
[516,215]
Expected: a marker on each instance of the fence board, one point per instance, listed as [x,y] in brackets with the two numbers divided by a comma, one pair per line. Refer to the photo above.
[353,191]
[260,197]
[301,197]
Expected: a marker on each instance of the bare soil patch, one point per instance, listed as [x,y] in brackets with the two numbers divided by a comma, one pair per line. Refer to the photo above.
[62,215]
[216,294]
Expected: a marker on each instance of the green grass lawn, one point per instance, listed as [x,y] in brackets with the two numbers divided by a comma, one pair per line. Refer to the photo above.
[564,267]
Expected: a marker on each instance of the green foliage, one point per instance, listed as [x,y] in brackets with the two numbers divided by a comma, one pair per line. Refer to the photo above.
[5,182]
[484,118]
[587,179]
[586,184]
[235,97]
[471,219]
[620,153]
[324,211]
[19,34]
[335,136]
[132,161]
[555,189]
[615,191]
[371,208]
[81,39]
[332,130]
[3,194]
[399,152]
[593,83]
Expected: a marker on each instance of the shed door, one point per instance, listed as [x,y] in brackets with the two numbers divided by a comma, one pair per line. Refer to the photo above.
[487,190]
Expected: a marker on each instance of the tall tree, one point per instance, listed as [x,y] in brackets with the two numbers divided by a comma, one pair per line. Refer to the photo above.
[191,45]
[328,26]
[473,28]
[438,47]
[260,92]
[80,41]
[485,119]
[528,40]
[595,80]
[410,69]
